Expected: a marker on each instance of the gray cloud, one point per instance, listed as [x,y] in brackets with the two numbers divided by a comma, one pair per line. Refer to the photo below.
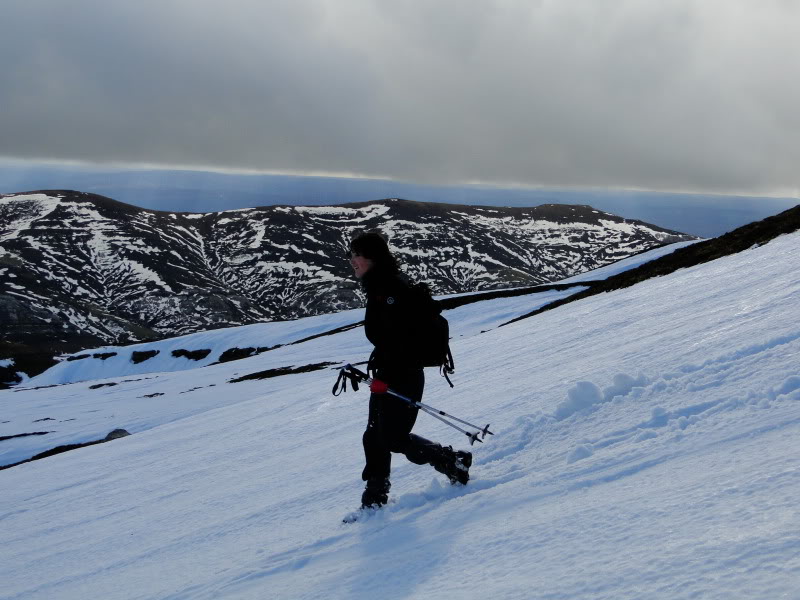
[675,94]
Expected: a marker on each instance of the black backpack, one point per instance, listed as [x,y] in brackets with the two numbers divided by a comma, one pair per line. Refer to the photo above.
[434,332]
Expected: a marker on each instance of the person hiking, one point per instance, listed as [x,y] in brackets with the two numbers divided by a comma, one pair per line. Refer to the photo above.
[392,324]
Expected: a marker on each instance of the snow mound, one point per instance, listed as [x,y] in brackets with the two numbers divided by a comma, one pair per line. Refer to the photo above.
[586,394]
[790,388]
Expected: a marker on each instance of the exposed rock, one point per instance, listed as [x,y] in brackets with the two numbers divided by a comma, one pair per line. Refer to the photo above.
[139,356]
[192,354]
[237,354]
[19,435]
[97,386]
[282,371]
[113,435]
[116,433]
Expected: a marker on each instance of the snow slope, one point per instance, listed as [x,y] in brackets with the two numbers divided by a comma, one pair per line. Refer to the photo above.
[645,447]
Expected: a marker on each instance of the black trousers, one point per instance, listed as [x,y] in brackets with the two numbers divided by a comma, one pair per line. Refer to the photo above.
[390,423]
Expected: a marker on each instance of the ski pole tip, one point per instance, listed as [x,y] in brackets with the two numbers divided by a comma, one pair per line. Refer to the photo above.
[473,437]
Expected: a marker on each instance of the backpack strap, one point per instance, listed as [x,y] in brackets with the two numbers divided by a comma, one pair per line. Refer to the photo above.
[444,374]
[448,366]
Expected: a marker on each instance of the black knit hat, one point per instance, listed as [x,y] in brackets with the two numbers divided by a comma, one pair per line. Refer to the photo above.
[373,245]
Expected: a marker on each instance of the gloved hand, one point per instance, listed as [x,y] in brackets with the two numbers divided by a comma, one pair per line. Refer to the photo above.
[378,387]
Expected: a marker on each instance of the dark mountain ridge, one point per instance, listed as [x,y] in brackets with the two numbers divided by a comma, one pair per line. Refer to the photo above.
[748,236]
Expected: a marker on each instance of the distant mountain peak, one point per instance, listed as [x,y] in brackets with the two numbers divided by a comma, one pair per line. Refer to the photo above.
[80,270]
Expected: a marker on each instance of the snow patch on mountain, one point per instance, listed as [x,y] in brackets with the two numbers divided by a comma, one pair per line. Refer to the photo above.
[27,209]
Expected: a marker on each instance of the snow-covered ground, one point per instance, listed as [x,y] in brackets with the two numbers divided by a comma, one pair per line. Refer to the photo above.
[260,335]
[646,447]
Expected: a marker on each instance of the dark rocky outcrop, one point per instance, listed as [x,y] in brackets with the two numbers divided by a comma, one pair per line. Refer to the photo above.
[282,371]
[112,435]
[139,356]
[738,240]
[192,354]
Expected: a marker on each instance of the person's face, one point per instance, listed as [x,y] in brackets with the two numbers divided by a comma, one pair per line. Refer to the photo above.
[360,264]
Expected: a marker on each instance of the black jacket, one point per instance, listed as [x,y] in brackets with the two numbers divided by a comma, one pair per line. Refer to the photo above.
[392,320]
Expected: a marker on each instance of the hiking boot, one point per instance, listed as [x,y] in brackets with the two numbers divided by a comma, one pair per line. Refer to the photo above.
[462,464]
[454,464]
[376,494]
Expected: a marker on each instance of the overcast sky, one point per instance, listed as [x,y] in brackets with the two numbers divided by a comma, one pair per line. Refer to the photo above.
[686,95]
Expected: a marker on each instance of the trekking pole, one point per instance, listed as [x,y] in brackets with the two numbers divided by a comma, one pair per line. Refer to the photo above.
[473,436]
[353,373]
[434,411]
[427,408]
